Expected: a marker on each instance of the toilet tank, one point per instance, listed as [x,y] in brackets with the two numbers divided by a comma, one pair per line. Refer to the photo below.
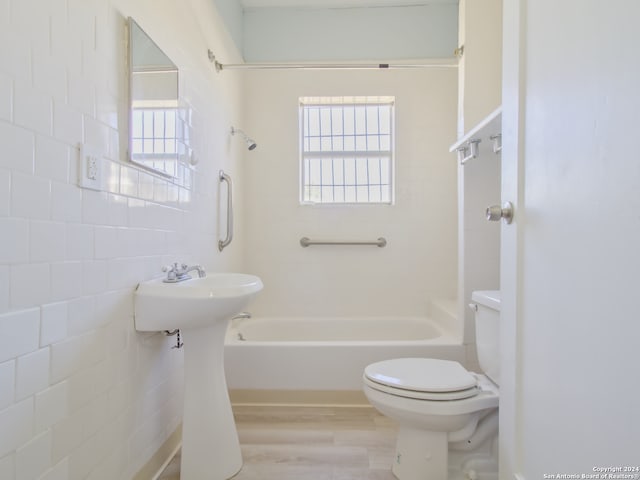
[486,304]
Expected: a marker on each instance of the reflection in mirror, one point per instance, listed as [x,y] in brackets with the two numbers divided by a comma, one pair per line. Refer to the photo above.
[158,132]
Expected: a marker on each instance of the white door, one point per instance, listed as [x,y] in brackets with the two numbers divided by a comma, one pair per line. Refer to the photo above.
[570,261]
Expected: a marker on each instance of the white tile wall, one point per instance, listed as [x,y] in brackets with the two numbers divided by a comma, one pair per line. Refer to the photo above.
[82,395]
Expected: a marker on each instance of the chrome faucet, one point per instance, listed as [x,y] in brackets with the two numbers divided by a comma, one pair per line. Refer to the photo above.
[179,273]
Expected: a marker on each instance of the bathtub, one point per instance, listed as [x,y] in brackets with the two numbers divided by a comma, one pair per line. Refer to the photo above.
[327,354]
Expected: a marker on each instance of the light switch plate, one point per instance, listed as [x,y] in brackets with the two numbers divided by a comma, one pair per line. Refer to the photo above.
[90,167]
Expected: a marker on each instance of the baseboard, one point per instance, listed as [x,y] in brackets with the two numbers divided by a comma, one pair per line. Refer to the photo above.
[158,462]
[325,398]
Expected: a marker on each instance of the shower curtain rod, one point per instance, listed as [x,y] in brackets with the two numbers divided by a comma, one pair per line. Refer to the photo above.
[323,66]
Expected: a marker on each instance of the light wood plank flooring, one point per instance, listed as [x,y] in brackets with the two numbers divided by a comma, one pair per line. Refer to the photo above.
[311,443]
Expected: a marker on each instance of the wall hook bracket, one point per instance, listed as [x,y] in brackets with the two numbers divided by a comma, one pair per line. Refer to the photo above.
[212,59]
[468,150]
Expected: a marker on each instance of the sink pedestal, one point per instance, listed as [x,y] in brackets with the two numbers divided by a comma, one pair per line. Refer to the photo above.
[210,446]
[201,308]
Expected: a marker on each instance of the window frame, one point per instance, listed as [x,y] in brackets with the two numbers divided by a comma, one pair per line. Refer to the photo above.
[343,155]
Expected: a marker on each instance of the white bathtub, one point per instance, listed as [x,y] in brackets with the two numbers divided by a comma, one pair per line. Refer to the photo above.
[326,354]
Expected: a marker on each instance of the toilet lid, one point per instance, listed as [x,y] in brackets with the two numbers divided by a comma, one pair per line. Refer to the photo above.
[427,375]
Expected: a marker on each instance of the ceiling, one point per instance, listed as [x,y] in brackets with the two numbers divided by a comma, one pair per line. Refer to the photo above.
[339,3]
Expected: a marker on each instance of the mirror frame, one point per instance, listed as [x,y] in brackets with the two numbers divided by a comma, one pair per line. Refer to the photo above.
[179,139]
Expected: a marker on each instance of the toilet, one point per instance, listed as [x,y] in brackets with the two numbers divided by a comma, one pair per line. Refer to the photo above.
[447,416]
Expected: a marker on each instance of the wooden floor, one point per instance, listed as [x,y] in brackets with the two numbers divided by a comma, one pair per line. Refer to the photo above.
[311,443]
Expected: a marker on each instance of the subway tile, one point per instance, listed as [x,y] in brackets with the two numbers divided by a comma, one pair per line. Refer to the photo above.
[81,20]
[95,415]
[32,108]
[16,425]
[67,123]
[17,148]
[137,213]
[60,471]
[107,112]
[5,285]
[30,197]
[118,210]
[6,97]
[5,192]
[80,241]
[7,384]
[32,373]
[111,175]
[4,17]
[66,280]
[76,353]
[66,202]
[160,190]
[67,436]
[81,315]
[20,332]
[49,74]
[7,467]
[96,134]
[114,146]
[83,459]
[128,181]
[53,323]
[30,285]
[106,243]
[89,384]
[14,241]
[47,241]
[95,207]
[51,158]
[33,21]
[145,186]
[17,59]
[65,47]
[34,458]
[124,273]
[94,277]
[82,97]
[52,406]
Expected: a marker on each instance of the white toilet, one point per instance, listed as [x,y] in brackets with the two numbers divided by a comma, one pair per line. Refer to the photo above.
[447,416]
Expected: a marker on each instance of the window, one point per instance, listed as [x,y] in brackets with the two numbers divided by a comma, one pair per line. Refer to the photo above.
[346,150]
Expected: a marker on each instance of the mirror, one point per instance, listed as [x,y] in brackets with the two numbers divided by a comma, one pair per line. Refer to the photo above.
[158,131]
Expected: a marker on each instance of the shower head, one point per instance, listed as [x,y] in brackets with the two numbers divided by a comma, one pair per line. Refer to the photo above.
[250,143]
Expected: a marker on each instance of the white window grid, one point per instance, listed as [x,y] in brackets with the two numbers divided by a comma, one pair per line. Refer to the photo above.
[154,132]
[346,150]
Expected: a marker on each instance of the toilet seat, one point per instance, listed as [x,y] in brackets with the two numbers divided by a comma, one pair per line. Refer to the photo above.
[422,379]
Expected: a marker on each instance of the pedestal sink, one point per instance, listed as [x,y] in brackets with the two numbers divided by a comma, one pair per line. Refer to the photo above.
[201,308]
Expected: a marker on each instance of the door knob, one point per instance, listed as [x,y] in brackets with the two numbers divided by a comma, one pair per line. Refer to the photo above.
[497,212]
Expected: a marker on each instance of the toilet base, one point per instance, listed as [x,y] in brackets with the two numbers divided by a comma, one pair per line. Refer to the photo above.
[424,455]
[421,455]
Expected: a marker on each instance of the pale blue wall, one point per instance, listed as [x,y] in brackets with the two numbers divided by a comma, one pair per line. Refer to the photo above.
[231,13]
[327,34]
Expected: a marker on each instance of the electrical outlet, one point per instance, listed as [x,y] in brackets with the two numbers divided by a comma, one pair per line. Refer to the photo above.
[90,167]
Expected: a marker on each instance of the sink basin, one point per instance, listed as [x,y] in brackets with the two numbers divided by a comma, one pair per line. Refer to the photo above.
[201,308]
[193,303]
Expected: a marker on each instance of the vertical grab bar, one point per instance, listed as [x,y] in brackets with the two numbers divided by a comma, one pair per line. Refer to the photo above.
[223,243]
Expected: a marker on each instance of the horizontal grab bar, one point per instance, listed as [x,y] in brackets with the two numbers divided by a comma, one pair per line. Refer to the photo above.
[306,241]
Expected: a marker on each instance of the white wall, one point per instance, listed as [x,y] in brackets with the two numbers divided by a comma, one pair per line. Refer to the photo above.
[81,394]
[419,262]
[571,402]
[479,94]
